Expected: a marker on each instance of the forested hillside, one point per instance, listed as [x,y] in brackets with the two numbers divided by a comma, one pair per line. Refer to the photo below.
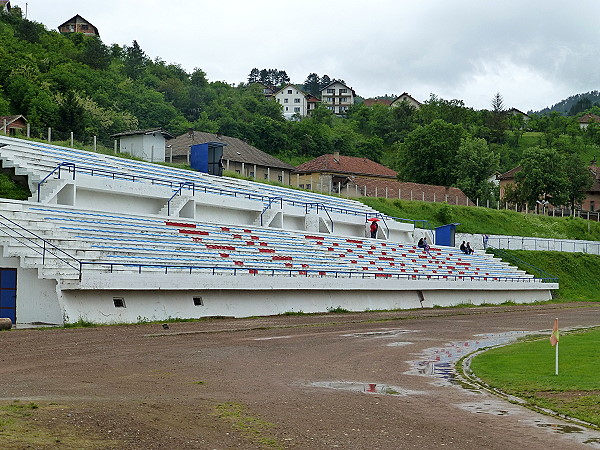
[574,104]
[80,84]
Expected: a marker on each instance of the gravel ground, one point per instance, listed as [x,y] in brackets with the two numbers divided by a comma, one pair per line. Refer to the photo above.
[279,382]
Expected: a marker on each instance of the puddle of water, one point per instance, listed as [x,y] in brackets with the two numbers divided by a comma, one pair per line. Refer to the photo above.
[272,337]
[398,344]
[439,361]
[493,407]
[368,388]
[561,428]
[375,334]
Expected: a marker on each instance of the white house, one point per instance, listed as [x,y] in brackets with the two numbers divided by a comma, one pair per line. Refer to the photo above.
[405,97]
[337,97]
[148,145]
[293,100]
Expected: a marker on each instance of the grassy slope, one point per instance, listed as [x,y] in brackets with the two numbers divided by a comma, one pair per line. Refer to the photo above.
[578,273]
[490,221]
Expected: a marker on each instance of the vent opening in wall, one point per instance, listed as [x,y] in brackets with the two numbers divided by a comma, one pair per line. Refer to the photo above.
[119,302]
[198,301]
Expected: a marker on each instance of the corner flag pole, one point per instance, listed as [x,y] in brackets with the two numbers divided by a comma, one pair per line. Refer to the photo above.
[554,338]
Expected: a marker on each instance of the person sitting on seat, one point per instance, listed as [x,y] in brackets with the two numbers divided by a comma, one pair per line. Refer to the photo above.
[463,248]
[426,247]
[469,250]
[420,243]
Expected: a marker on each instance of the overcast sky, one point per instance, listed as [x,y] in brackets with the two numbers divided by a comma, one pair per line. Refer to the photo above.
[534,52]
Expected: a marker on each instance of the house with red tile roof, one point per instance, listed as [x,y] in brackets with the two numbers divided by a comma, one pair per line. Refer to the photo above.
[377,101]
[357,177]
[586,119]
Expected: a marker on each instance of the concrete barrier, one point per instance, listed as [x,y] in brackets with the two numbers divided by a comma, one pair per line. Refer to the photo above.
[5,324]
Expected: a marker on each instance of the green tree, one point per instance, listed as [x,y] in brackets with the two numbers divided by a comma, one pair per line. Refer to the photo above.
[475,165]
[135,61]
[312,84]
[543,177]
[497,121]
[428,154]
[579,180]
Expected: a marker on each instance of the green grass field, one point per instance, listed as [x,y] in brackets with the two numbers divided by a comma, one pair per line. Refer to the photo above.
[526,370]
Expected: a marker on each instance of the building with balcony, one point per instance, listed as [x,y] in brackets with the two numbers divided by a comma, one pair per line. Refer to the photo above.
[337,97]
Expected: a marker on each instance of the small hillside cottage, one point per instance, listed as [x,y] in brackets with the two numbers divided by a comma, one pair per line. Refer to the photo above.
[405,97]
[11,124]
[78,24]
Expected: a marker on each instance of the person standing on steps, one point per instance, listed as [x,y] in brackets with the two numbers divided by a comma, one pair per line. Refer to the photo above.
[373,229]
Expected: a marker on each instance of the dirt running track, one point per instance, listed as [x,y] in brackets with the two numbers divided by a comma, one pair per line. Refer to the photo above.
[216,384]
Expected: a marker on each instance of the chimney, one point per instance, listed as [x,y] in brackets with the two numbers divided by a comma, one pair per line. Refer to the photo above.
[336,157]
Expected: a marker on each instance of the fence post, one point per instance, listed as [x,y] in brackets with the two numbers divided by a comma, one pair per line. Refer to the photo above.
[28,130]
[95,143]
[49,134]
[4,126]
[115,146]
[71,139]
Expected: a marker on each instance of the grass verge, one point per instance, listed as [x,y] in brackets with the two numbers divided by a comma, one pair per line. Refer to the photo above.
[526,370]
[252,428]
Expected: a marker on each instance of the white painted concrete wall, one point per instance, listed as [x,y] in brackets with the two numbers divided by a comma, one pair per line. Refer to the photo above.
[149,147]
[159,296]
[37,299]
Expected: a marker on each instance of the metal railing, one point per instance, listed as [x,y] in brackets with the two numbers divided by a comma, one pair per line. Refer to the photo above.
[178,192]
[540,274]
[30,240]
[196,187]
[249,270]
[268,206]
[56,169]
[309,206]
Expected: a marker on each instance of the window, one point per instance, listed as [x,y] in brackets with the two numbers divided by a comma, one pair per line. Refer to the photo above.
[84,27]
[296,100]
[286,108]
[331,91]
[251,174]
[285,100]
[592,206]
[301,186]
[297,109]
[343,91]
[119,302]
[308,186]
[279,178]
[198,301]
[289,91]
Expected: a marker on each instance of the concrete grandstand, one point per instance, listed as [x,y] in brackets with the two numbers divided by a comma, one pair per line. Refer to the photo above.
[107,240]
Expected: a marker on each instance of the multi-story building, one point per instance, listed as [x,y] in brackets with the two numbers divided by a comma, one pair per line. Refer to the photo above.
[337,97]
[294,101]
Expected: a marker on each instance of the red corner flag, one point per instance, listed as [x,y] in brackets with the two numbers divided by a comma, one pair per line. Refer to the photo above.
[555,334]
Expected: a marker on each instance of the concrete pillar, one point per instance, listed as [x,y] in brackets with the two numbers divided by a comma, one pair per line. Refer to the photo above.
[71,139]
